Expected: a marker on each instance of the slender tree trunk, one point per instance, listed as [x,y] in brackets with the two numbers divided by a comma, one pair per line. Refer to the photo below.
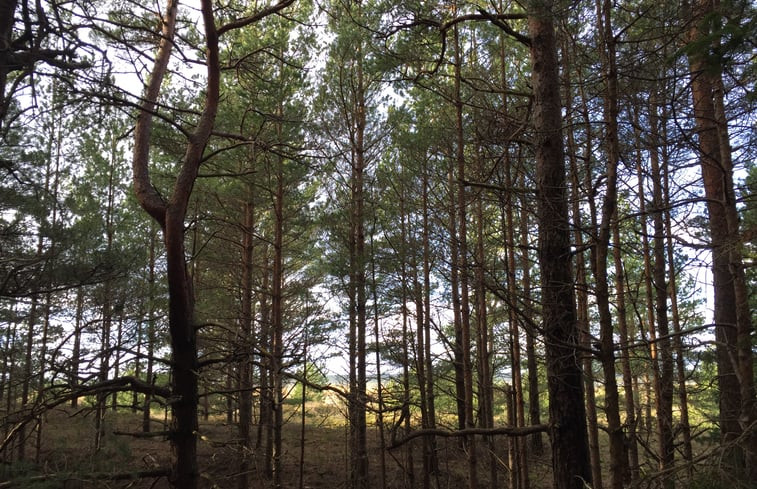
[104,368]
[303,408]
[265,428]
[462,265]
[277,310]
[137,361]
[245,342]
[664,405]
[651,378]
[600,251]
[484,356]
[409,470]
[582,292]
[534,405]
[379,384]
[420,365]
[151,336]
[582,298]
[357,284]
[454,281]
[116,350]
[76,350]
[11,396]
[433,465]
[688,450]
[570,454]
[521,453]
[106,348]
[626,334]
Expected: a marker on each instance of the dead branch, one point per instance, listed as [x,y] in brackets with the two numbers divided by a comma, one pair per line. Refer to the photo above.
[501,430]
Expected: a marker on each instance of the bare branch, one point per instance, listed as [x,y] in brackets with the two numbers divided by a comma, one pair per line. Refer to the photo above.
[501,430]
[148,196]
[245,21]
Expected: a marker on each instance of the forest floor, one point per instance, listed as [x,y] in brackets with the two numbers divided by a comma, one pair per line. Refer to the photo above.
[67,459]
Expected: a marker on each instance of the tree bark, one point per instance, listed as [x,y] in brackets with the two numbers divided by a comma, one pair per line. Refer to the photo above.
[600,252]
[433,462]
[245,341]
[521,453]
[570,454]
[733,322]
[151,337]
[462,266]
[582,292]
[170,215]
[357,284]
[664,404]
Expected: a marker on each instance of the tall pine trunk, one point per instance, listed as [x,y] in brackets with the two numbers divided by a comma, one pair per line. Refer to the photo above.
[246,341]
[733,322]
[462,266]
[570,454]
[600,251]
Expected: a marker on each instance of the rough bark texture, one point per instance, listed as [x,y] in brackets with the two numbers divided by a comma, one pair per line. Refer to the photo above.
[570,454]
[170,215]
[600,251]
[733,327]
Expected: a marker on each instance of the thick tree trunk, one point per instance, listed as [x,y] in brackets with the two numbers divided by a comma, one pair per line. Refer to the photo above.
[170,215]
[733,323]
[570,454]
[183,341]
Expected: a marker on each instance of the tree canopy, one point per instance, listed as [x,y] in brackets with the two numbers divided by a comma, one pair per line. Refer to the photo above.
[478,236]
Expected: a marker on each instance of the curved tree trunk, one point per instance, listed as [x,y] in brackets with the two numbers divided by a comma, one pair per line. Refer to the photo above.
[170,215]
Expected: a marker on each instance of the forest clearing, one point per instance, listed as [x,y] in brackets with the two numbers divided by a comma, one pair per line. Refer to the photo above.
[378,244]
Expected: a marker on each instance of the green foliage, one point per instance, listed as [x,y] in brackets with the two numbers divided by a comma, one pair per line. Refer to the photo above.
[315,375]
[749,225]
[728,32]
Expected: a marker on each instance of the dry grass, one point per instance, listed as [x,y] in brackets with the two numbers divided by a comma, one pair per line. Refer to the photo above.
[68,459]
